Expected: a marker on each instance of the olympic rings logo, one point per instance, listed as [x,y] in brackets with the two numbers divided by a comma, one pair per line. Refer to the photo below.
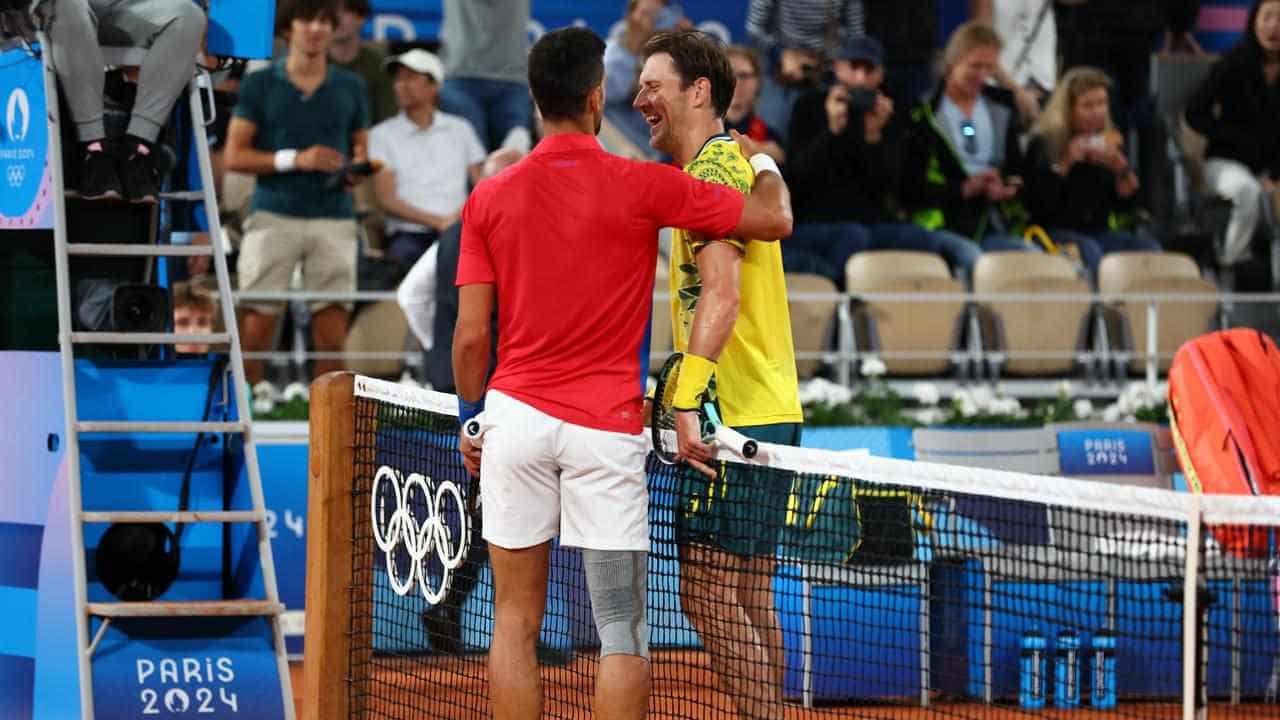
[409,520]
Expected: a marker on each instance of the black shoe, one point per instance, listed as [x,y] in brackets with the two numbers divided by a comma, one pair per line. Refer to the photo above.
[553,657]
[141,181]
[444,628]
[98,177]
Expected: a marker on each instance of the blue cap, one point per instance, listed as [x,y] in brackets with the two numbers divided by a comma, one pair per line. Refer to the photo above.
[865,48]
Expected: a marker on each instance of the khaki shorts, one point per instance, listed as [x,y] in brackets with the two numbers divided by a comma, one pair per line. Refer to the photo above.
[273,244]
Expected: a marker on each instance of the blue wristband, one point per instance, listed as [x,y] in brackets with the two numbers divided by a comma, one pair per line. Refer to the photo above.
[468,410]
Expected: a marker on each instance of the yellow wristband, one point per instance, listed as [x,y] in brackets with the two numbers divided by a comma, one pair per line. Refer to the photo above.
[695,375]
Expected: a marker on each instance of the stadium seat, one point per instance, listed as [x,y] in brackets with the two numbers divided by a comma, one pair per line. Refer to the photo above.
[1164,273]
[811,320]
[905,326]
[381,327]
[1021,327]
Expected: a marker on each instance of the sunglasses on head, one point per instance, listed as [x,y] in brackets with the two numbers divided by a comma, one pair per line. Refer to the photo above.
[970,135]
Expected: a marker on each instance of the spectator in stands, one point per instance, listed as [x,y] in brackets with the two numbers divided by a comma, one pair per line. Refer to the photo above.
[1236,111]
[622,66]
[783,28]
[171,30]
[428,158]
[845,171]
[365,59]
[909,31]
[742,114]
[193,314]
[1079,183]
[797,38]
[1118,36]
[963,161]
[298,124]
[486,47]
[1029,60]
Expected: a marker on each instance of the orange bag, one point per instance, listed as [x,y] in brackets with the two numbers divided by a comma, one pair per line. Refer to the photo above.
[1224,408]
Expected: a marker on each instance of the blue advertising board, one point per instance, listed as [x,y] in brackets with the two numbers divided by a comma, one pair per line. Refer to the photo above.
[25,200]
[175,668]
[1105,452]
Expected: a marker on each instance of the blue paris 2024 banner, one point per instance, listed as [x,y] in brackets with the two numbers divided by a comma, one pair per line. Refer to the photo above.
[419,20]
[25,201]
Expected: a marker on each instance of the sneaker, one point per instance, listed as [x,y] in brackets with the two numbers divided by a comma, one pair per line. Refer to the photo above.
[98,177]
[443,624]
[141,181]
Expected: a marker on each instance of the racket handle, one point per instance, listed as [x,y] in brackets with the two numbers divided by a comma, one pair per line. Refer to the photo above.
[749,449]
[472,429]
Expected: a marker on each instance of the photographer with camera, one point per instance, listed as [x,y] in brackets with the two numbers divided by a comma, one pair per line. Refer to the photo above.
[843,165]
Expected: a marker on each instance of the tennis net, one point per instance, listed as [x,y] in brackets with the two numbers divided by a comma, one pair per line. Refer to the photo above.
[802,584]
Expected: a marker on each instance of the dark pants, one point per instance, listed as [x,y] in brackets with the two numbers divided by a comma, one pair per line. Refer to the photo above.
[406,247]
[825,248]
[1094,245]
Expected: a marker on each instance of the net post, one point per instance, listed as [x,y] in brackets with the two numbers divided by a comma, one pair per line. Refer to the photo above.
[329,581]
[1191,611]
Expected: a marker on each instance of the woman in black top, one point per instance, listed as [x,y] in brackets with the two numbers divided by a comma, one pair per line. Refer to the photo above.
[1079,185]
[1236,110]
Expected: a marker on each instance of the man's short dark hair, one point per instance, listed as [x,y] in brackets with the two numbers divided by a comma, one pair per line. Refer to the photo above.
[697,54]
[565,65]
[290,10]
[359,8]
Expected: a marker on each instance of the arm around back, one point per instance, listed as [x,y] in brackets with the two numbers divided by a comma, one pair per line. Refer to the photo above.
[766,215]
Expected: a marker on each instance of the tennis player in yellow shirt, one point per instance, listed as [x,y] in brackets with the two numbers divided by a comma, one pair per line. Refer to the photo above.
[731,319]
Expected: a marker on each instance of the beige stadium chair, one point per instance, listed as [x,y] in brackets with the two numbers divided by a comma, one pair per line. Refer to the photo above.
[1147,272]
[903,325]
[380,327]
[811,320]
[1020,327]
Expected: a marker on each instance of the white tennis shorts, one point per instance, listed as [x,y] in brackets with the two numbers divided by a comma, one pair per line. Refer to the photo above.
[541,477]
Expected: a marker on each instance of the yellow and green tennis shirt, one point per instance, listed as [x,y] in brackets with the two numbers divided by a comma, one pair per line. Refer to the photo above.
[756,373]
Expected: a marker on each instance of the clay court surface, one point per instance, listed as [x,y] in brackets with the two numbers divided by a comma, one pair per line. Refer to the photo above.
[681,689]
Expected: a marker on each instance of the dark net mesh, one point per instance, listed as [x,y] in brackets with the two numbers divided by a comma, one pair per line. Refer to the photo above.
[778,593]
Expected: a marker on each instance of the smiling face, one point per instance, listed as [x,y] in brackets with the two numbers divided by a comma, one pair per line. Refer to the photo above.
[1266,27]
[662,101]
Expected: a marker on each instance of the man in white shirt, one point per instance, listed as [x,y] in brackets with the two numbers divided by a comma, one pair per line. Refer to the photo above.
[428,158]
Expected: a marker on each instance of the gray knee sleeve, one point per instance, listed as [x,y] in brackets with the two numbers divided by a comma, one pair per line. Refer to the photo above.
[616,580]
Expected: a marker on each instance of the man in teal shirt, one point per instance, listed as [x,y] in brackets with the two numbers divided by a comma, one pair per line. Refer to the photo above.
[297,125]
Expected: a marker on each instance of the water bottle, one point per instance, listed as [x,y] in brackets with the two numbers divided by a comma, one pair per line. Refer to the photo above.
[1031,692]
[1104,670]
[1066,693]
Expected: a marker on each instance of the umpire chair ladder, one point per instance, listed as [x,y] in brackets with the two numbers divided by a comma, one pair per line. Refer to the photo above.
[269,607]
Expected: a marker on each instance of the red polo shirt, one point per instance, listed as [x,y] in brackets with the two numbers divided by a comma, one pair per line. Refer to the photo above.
[569,238]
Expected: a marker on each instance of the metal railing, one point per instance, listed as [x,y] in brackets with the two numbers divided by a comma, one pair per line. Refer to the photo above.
[848,353]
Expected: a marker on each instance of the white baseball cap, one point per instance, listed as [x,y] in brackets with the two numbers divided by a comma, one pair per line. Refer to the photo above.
[419,61]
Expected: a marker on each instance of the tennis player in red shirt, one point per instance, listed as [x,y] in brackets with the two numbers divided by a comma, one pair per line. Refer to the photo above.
[565,244]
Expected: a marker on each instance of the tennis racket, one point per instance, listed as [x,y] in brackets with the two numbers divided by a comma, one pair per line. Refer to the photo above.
[662,421]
